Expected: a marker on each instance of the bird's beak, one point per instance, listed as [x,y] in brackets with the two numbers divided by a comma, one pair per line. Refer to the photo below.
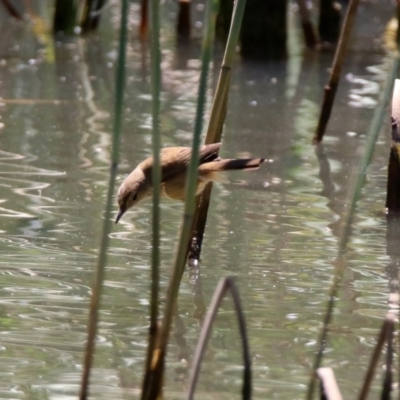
[121,212]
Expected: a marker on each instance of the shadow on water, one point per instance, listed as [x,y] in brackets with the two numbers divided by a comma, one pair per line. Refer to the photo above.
[275,228]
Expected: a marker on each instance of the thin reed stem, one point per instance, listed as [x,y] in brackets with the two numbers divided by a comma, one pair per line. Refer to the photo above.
[385,332]
[156,179]
[102,257]
[355,188]
[217,118]
[156,372]
[331,87]
[225,285]
[310,33]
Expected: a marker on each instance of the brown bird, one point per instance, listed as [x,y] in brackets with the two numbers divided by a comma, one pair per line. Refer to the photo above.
[174,163]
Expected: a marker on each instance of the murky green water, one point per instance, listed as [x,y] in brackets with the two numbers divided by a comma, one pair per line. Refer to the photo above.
[274,229]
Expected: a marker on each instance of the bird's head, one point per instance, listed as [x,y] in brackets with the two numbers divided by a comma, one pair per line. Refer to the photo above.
[133,189]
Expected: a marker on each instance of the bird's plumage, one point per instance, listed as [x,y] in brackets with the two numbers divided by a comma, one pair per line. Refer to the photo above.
[174,163]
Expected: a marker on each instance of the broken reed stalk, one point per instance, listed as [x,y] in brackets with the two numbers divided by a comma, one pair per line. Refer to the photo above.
[154,375]
[329,387]
[225,285]
[385,334]
[355,190]
[331,87]
[310,33]
[217,118]
[156,179]
[102,257]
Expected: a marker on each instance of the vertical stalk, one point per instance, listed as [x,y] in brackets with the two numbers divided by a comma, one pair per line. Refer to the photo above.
[355,191]
[217,118]
[225,285]
[310,34]
[65,16]
[156,178]
[331,87]
[154,376]
[144,23]
[101,260]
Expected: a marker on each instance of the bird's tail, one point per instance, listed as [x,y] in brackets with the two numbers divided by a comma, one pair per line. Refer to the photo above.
[227,165]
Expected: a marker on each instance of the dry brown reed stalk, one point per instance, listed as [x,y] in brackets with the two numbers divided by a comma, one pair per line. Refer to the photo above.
[9,6]
[385,334]
[144,20]
[310,33]
[217,118]
[225,285]
[331,87]
[183,25]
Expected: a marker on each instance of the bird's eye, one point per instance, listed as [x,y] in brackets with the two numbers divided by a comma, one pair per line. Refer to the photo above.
[134,197]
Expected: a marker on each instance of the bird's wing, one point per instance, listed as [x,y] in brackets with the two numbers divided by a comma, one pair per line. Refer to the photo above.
[174,160]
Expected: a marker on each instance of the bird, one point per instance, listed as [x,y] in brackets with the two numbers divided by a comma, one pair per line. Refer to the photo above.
[174,161]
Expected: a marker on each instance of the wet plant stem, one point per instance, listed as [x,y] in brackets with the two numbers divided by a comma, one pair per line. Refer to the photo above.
[102,256]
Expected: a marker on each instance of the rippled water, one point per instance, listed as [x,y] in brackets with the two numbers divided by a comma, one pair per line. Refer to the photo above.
[275,229]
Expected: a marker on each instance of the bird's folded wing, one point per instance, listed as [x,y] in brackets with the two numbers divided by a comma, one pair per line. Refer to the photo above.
[175,160]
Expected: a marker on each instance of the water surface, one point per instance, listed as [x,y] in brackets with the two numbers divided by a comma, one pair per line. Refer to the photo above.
[276,229]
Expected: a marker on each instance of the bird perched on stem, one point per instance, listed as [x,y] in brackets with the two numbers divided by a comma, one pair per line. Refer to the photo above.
[138,186]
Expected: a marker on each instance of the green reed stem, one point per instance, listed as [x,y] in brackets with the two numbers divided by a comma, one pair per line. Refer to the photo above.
[156,179]
[157,364]
[102,257]
[355,191]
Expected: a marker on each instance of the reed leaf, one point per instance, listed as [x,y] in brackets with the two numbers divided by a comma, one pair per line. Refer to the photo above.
[355,191]
[225,285]
[102,256]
